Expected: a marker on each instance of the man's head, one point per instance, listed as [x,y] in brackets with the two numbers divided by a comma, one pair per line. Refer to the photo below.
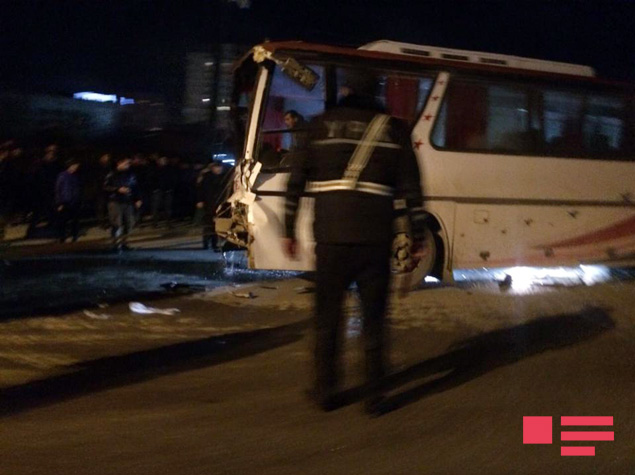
[216,167]
[104,160]
[123,164]
[291,118]
[72,166]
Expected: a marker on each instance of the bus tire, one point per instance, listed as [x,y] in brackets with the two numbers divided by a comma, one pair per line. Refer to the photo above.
[404,275]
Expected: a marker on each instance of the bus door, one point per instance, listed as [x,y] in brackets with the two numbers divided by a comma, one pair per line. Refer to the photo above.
[282,132]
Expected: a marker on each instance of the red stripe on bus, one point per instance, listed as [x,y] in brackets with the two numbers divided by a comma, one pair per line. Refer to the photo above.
[616,231]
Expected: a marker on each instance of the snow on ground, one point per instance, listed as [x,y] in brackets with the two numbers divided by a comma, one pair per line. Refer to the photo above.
[235,299]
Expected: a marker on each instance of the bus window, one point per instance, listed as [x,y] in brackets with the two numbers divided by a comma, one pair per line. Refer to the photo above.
[562,127]
[603,129]
[482,117]
[280,138]
[403,96]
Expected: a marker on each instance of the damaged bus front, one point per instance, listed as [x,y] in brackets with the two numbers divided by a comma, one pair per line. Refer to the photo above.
[254,218]
[278,83]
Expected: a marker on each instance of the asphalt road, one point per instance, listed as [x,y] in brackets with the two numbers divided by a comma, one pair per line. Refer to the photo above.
[217,388]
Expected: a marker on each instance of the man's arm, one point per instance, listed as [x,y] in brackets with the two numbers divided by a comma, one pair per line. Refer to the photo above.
[109,186]
[135,192]
[60,190]
[409,187]
[295,188]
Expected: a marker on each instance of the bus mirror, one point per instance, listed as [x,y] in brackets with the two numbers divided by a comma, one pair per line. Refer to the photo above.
[306,77]
[303,75]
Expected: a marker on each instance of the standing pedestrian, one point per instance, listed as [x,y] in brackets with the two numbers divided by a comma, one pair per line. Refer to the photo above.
[67,201]
[44,176]
[104,168]
[123,199]
[358,161]
[5,190]
[163,185]
[209,191]
[297,127]
[140,168]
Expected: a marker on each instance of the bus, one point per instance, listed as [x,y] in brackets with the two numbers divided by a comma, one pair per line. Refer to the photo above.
[523,162]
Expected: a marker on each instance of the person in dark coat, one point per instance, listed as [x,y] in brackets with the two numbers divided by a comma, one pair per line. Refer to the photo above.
[141,169]
[104,168]
[124,198]
[67,201]
[163,185]
[5,190]
[210,193]
[359,160]
[44,175]
[297,126]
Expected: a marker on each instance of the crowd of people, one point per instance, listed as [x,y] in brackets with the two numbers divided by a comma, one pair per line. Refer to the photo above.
[50,190]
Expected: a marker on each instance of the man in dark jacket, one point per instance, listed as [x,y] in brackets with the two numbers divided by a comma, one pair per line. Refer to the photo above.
[104,168]
[358,162]
[44,176]
[5,190]
[123,198]
[67,200]
[209,192]
[164,181]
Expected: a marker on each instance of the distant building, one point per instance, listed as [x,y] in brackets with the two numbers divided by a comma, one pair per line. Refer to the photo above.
[208,84]
[87,115]
[32,114]
[148,112]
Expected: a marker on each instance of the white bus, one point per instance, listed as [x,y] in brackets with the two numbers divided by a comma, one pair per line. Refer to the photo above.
[523,161]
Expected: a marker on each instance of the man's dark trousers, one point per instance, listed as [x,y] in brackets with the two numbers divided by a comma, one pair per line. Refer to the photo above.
[337,266]
[70,213]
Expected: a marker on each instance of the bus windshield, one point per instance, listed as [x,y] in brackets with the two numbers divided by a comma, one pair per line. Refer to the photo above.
[290,107]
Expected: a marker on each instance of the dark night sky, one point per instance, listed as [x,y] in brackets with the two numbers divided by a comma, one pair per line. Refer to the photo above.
[131,46]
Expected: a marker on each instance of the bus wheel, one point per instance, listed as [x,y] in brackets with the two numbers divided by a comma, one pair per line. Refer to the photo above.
[405,273]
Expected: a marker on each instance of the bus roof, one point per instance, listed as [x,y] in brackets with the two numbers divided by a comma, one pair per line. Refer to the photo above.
[456,59]
[477,57]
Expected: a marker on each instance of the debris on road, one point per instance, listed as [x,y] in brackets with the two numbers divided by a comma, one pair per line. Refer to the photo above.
[180,287]
[244,295]
[506,283]
[305,290]
[138,307]
[269,287]
[97,316]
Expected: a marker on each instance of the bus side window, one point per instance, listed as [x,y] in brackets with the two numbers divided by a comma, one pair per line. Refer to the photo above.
[603,127]
[562,126]
[508,118]
[403,95]
[484,117]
